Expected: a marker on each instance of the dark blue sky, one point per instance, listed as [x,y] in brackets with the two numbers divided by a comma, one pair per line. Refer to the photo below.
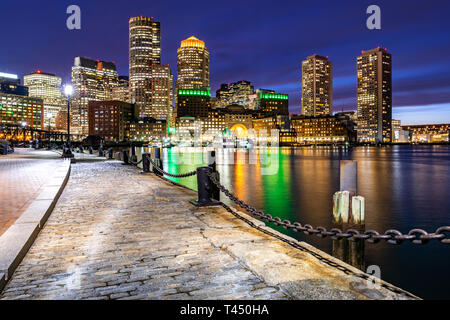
[260,41]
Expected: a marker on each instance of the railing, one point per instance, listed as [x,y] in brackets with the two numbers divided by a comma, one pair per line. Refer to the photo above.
[209,187]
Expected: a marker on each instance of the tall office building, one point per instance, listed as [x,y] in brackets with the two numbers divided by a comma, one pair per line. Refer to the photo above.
[144,52]
[374,96]
[92,80]
[192,65]
[270,103]
[46,86]
[161,93]
[193,103]
[317,86]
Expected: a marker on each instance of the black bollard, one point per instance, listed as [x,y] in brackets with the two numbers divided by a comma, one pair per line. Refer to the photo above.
[157,160]
[90,150]
[215,173]
[145,162]
[100,152]
[125,157]
[110,153]
[205,188]
[133,154]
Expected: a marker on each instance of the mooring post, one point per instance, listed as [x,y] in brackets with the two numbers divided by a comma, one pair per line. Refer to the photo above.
[157,160]
[146,162]
[349,182]
[205,190]
[91,151]
[110,153]
[348,213]
[100,152]
[212,164]
[125,156]
[133,153]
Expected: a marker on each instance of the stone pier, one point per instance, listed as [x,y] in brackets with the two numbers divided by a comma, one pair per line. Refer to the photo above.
[119,234]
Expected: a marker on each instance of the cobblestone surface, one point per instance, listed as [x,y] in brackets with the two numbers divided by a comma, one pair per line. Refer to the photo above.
[22,174]
[118,234]
[110,238]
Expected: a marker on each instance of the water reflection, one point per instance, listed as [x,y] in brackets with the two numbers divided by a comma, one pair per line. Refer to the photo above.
[404,187]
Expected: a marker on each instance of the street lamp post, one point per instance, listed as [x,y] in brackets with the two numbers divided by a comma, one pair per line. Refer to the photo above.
[67,152]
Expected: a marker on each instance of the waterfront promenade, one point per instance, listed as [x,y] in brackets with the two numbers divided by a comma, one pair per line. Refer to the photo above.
[119,234]
[22,174]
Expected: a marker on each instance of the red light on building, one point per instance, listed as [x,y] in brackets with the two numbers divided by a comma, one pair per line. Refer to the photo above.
[38,71]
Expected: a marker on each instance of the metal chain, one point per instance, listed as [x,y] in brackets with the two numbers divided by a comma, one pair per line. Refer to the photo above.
[183,175]
[392,236]
[326,260]
[135,163]
[296,245]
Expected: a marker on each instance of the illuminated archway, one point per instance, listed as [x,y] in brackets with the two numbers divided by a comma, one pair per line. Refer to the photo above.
[239,130]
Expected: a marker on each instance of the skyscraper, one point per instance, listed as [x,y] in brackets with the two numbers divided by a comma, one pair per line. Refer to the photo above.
[193,65]
[144,52]
[317,86]
[46,86]
[161,91]
[374,96]
[91,80]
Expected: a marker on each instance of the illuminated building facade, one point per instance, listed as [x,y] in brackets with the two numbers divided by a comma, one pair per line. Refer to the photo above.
[317,86]
[92,80]
[325,129]
[429,133]
[235,93]
[144,52]
[61,121]
[122,91]
[17,110]
[193,103]
[280,122]
[271,103]
[215,121]
[192,65]
[396,128]
[111,119]
[161,93]
[187,125]
[10,84]
[46,86]
[238,116]
[374,96]
[148,129]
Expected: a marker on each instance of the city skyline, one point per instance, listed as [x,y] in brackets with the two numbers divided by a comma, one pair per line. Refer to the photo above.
[414,101]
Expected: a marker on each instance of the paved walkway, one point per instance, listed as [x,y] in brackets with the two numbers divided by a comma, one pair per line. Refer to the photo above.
[22,174]
[117,234]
